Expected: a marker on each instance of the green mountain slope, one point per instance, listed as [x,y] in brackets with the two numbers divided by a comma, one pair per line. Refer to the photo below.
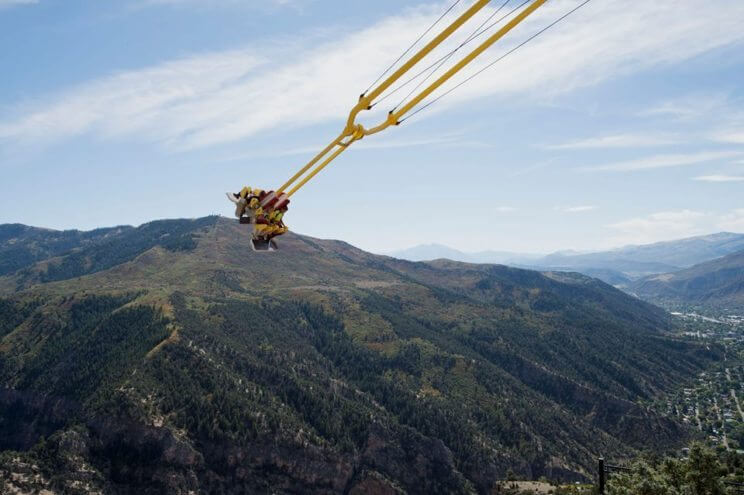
[22,246]
[171,357]
[718,283]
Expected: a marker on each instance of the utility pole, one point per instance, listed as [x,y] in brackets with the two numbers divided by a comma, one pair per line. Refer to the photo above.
[601,476]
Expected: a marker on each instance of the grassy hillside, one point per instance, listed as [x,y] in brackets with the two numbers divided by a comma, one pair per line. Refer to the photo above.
[171,357]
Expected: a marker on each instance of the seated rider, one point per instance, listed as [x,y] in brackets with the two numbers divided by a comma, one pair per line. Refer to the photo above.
[247,202]
[267,224]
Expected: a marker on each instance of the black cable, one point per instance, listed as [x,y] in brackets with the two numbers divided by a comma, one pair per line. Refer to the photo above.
[497,60]
[411,47]
[450,54]
[446,56]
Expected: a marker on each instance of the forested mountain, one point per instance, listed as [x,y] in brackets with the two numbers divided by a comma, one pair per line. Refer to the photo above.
[718,283]
[171,357]
[22,246]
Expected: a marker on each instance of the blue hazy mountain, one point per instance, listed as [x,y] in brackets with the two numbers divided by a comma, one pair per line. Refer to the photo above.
[717,283]
[430,252]
[617,266]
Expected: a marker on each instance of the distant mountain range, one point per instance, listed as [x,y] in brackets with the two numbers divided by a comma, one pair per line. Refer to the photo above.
[639,261]
[718,283]
[617,267]
[430,252]
[171,358]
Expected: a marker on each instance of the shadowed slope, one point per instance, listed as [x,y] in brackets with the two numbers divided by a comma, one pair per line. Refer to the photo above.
[322,368]
[718,283]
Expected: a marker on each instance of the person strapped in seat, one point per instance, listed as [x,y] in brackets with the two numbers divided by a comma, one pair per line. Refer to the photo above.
[262,210]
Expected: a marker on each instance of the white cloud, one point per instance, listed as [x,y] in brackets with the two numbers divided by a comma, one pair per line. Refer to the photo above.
[385,142]
[215,3]
[730,136]
[670,225]
[216,98]
[617,141]
[575,209]
[733,221]
[719,178]
[662,226]
[154,103]
[13,3]
[664,161]
[695,106]
[504,209]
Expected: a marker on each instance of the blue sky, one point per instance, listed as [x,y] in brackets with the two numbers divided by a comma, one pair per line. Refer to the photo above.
[624,124]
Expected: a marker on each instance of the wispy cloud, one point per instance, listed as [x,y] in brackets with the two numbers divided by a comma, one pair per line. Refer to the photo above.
[13,3]
[575,209]
[690,107]
[719,178]
[153,103]
[262,4]
[664,161]
[443,140]
[661,226]
[734,136]
[216,98]
[732,221]
[617,141]
[675,224]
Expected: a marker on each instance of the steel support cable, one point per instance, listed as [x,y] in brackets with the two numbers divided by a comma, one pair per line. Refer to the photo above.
[413,45]
[341,147]
[357,131]
[448,55]
[497,60]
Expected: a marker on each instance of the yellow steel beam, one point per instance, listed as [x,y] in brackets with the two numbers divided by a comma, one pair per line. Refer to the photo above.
[316,170]
[366,100]
[469,58]
[310,163]
[446,33]
[354,131]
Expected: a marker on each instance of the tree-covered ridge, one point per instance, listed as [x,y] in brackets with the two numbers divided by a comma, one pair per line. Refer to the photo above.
[700,473]
[717,284]
[245,374]
[22,246]
[78,253]
[325,369]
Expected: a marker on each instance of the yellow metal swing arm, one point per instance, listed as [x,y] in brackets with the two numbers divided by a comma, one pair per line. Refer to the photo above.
[354,132]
